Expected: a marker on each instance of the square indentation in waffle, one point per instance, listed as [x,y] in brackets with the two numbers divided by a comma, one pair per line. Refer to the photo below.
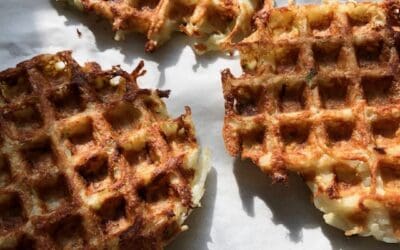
[371,53]
[123,116]
[347,179]
[295,133]
[154,105]
[27,242]
[24,119]
[357,17]
[5,171]
[15,87]
[339,131]
[287,59]
[346,176]
[94,170]
[385,127]
[390,174]
[327,55]
[217,19]
[292,97]
[380,90]
[252,140]
[361,15]
[54,193]
[113,214]
[319,19]
[69,233]
[67,100]
[12,213]
[334,93]
[157,190]
[175,133]
[283,23]
[249,101]
[138,150]
[39,156]
[78,134]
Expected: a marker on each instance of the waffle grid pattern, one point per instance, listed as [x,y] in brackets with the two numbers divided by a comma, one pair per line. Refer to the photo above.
[89,160]
[320,96]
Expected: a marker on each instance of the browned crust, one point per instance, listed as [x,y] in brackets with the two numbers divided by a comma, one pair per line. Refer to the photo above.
[322,90]
[201,20]
[64,140]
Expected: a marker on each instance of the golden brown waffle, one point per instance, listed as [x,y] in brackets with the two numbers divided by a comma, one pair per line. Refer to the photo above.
[215,24]
[88,160]
[320,97]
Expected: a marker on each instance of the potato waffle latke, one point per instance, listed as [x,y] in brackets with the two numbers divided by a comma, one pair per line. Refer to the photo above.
[88,160]
[320,96]
[214,24]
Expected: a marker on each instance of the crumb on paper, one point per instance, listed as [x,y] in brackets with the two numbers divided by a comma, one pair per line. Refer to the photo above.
[79,33]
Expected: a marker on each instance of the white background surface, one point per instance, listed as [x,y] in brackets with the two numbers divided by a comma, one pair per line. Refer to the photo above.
[241,208]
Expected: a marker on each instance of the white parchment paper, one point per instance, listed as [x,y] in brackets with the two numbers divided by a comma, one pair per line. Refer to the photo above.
[241,208]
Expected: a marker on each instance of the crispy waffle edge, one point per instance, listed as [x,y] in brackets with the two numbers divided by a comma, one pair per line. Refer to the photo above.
[212,25]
